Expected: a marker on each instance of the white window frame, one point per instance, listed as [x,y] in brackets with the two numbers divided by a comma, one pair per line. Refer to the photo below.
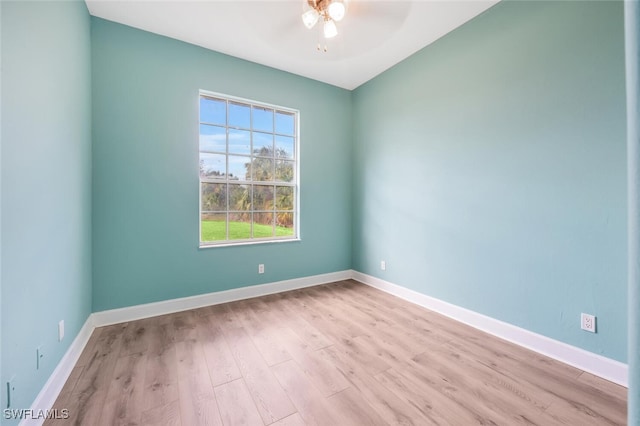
[295,184]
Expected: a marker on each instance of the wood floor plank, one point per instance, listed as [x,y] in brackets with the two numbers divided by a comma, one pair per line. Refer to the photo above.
[271,400]
[276,310]
[517,392]
[417,324]
[69,387]
[123,403]
[352,409]
[102,359]
[161,379]
[611,388]
[220,362]
[336,318]
[563,412]
[197,401]
[264,332]
[89,348]
[164,415]
[471,392]
[334,330]
[236,405]
[197,409]
[435,407]
[327,379]
[292,420]
[87,400]
[183,326]
[134,338]
[84,409]
[160,335]
[224,316]
[385,403]
[310,403]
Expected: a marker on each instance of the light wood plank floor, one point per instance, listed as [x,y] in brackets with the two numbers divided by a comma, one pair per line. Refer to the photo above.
[339,354]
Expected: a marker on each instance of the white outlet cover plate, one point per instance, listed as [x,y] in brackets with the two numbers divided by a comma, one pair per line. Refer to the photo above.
[588,322]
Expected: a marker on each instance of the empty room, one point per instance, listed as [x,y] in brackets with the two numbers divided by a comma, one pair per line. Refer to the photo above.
[319,212]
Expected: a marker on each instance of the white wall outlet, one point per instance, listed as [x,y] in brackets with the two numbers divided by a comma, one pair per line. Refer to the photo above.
[383,265]
[60,330]
[588,322]
[261,268]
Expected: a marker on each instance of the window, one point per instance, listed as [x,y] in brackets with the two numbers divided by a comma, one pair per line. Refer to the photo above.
[248,171]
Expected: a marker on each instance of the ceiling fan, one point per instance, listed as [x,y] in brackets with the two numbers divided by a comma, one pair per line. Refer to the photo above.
[331,11]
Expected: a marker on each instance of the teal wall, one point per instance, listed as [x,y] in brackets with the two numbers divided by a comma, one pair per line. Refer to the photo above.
[145,170]
[489,170]
[46,186]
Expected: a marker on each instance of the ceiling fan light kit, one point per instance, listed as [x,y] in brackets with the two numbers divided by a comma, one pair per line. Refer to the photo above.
[337,10]
[331,11]
[310,18]
[330,30]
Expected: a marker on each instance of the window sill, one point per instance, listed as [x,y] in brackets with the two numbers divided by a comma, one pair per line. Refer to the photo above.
[248,243]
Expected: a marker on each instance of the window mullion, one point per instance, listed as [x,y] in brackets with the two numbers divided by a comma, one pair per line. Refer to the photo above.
[227,224]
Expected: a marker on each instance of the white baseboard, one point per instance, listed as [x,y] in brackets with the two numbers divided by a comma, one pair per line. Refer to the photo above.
[131,313]
[598,365]
[50,391]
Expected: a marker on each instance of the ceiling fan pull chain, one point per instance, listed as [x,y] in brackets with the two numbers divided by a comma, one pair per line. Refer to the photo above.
[320,46]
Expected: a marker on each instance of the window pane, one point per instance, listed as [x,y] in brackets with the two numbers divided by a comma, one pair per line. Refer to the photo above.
[213,111]
[213,197]
[239,197]
[284,147]
[262,169]
[239,115]
[285,123]
[239,226]
[285,171]
[213,227]
[239,168]
[284,198]
[262,225]
[263,144]
[262,119]
[212,166]
[284,224]
[213,138]
[262,197]
[239,142]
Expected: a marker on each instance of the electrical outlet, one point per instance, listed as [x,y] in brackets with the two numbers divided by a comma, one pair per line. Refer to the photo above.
[39,356]
[261,268]
[383,265]
[588,322]
[60,330]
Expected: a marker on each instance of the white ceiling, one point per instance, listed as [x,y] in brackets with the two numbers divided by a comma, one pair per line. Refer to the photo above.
[373,36]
